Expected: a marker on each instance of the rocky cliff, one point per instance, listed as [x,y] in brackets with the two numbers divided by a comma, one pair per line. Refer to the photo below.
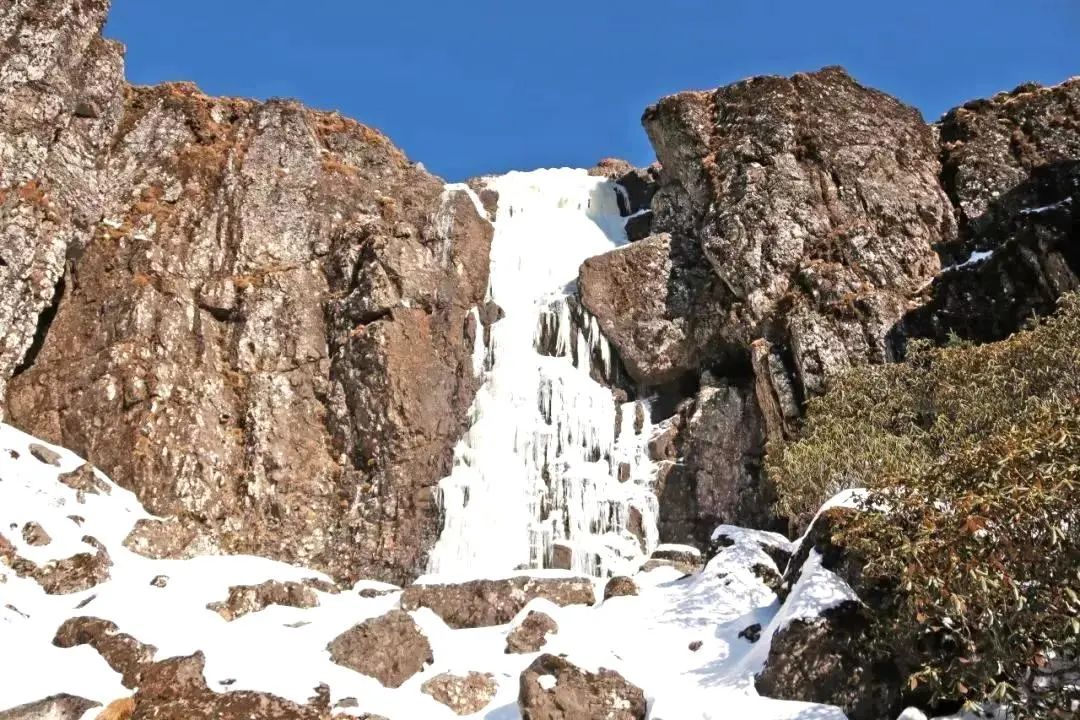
[253,314]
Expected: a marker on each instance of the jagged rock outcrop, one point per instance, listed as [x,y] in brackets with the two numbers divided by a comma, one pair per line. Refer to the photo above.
[553,688]
[483,603]
[814,204]
[245,599]
[1011,165]
[61,99]
[264,329]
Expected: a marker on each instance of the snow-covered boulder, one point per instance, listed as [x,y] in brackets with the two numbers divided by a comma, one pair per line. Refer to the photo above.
[553,688]
[531,634]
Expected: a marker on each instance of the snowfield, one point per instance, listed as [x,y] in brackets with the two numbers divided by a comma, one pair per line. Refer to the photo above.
[282,650]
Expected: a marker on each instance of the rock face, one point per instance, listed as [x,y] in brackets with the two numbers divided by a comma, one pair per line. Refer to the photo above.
[264,329]
[531,634]
[788,202]
[464,695]
[390,648]
[553,688]
[1011,165]
[793,227]
[61,98]
[720,478]
[483,603]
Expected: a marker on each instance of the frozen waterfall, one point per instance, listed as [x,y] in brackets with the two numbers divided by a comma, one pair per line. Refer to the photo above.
[553,470]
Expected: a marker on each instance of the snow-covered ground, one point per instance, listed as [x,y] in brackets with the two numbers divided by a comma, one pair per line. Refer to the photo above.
[282,649]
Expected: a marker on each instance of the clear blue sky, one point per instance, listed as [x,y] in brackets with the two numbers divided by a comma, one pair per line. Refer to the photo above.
[482,86]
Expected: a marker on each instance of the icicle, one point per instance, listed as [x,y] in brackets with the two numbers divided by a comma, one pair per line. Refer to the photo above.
[543,461]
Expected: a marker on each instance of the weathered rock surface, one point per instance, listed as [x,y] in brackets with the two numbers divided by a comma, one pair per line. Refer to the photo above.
[1011,165]
[61,97]
[720,478]
[64,576]
[620,587]
[685,559]
[531,634]
[58,707]
[483,603]
[124,654]
[552,688]
[175,689]
[390,648]
[245,599]
[464,695]
[263,328]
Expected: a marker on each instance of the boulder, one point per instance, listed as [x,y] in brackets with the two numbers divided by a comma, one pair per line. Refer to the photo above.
[531,634]
[390,648]
[464,695]
[553,688]
[620,587]
[684,558]
[57,707]
[482,603]
[123,653]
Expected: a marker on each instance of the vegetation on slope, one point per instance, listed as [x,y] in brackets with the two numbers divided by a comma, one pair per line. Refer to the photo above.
[975,453]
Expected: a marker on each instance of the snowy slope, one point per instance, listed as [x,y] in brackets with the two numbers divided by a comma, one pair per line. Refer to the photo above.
[282,649]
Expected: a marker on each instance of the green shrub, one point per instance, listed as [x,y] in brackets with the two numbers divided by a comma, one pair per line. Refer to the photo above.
[975,450]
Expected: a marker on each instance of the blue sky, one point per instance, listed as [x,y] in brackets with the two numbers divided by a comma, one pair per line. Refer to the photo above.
[482,86]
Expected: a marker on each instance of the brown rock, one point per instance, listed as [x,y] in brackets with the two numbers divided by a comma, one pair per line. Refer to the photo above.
[57,707]
[245,599]
[531,634]
[85,480]
[34,534]
[44,454]
[482,603]
[267,340]
[52,187]
[390,648]
[464,695]
[65,576]
[552,688]
[118,710]
[620,587]
[122,652]
[685,560]
[175,689]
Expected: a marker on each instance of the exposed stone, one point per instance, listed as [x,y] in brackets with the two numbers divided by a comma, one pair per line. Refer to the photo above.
[245,599]
[79,572]
[175,689]
[482,603]
[85,480]
[531,634]
[34,534]
[57,707]
[390,648]
[553,688]
[464,695]
[44,454]
[720,478]
[122,652]
[620,587]
[276,296]
[54,65]
[751,633]
[160,581]
[695,645]
[685,559]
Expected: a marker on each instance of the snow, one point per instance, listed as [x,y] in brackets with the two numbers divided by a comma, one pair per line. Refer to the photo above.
[977,257]
[282,649]
[540,463]
[547,682]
